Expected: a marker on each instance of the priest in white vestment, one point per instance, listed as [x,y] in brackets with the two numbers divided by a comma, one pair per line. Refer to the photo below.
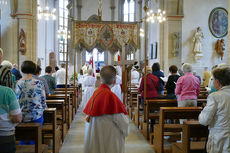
[117,88]
[107,120]
[88,87]
[134,76]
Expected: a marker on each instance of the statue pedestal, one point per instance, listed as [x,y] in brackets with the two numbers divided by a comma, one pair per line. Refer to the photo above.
[198,56]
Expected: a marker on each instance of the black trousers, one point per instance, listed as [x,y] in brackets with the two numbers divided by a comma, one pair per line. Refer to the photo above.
[9,147]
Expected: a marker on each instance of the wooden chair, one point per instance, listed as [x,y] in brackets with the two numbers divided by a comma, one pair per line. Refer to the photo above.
[30,132]
[172,113]
[191,130]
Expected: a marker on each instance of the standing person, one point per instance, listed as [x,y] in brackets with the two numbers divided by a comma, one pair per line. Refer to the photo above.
[156,71]
[49,79]
[9,65]
[187,88]
[31,94]
[36,75]
[61,76]
[171,83]
[216,113]
[5,74]
[88,87]
[108,125]
[16,72]
[85,68]
[116,89]
[134,76]
[10,114]
[152,85]
[194,73]
[80,77]
[206,77]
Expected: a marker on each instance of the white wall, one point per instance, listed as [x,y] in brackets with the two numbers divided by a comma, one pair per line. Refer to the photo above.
[196,14]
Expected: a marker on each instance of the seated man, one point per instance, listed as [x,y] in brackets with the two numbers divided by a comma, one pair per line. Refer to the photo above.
[10,114]
[107,124]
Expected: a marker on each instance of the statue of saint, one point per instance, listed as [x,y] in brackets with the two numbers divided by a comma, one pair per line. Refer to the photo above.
[220,47]
[22,42]
[176,43]
[197,39]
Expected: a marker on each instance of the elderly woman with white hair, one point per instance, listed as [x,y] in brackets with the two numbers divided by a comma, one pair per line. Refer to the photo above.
[216,113]
[187,88]
[88,87]
[9,65]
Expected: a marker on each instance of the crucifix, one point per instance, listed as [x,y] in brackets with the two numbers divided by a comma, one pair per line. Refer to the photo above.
[126,68]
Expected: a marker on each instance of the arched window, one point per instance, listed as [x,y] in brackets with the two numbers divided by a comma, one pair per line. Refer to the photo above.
[62,25]
[97,56]
[128,10]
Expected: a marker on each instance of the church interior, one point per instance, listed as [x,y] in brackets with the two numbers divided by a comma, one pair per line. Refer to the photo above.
[84,35]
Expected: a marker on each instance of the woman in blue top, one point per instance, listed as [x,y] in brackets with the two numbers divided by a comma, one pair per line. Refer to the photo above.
[156,71]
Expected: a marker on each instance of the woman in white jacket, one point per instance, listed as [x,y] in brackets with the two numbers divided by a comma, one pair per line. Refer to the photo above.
[216,114]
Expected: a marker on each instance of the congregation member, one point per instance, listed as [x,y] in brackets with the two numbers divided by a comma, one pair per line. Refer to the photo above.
[9,65]
[116,89]
[49,79]
[37,74]
[107,121]
[187,88]
[88,87]
[31,95]
[194,73]
[157,72]
[10,115]
[152,86]
[171,83]
[206,77]
[85,68]
[80,77]
[61,76]
[16,72]
[5,74]
[134,75]
[216,113]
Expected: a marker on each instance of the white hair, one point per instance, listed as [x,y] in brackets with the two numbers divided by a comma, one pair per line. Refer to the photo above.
[7,64]
[187,67]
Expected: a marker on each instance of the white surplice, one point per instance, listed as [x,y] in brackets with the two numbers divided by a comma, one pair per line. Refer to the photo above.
[117,88]
[135,77]
[88,87]
[106,134]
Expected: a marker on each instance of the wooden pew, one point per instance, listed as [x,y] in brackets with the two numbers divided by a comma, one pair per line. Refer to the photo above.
[172,113]
[30,131]
[132,102]
[67,106]
[50,129]
[153,110]
[191,129]
[60,106]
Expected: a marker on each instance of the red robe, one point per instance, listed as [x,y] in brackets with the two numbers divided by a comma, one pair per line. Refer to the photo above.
[105,102]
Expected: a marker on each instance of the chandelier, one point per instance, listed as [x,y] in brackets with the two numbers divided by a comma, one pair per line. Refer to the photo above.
[47,13]
[63,34]
[160,16]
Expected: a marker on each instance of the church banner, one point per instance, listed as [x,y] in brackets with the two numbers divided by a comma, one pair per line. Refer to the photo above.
[105,35]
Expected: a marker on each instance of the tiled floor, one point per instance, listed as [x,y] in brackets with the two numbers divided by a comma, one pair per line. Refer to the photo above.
[74,141]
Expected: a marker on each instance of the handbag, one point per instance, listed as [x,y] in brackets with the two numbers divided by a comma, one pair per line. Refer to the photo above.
[91,107]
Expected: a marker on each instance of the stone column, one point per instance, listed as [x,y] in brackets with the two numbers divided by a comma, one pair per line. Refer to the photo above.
[112,10]
[27,20]
[228,48]
[79,6]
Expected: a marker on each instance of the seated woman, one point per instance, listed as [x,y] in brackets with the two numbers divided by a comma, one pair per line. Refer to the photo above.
[152,85]
[171,83]
[31,94]
[216,113]
[187,88]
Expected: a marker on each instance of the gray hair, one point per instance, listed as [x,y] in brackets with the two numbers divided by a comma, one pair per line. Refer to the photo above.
[7,64]
[90,71]
[187,67]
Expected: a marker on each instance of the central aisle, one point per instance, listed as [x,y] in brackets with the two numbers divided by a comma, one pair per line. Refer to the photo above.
[74,141]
